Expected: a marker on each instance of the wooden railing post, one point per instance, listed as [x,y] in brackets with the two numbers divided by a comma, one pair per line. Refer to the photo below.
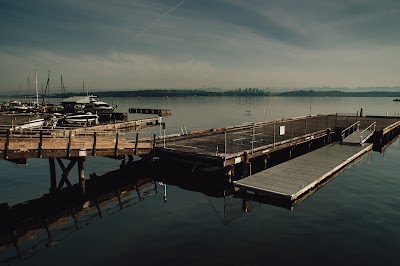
[40,144]
[94,144]
[7,144]
[136,142]
[69,144]
[116,145]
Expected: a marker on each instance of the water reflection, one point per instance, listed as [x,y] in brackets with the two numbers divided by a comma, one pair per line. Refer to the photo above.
[30,227]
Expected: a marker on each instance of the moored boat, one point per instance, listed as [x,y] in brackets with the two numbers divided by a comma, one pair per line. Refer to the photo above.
[99,107]
[31,124]
[88,118]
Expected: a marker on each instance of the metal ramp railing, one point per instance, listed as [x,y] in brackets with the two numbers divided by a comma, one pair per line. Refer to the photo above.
[369,131]
[350,130]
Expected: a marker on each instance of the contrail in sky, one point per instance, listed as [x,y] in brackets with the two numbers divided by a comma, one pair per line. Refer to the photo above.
[157,20]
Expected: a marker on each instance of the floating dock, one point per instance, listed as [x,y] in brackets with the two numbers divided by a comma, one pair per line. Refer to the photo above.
[160,112]
[292,179]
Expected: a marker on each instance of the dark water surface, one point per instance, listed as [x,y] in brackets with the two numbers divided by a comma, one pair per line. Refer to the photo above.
[353,220]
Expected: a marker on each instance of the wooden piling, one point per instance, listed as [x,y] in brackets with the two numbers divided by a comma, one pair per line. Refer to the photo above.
[40,144]
[69,144]
[53,176]
[7,144]
[116,145]
[81,173]
[244,164]
[136,142]
[94,144]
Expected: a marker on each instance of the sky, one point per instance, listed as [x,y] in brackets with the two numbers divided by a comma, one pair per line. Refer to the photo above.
[137,44]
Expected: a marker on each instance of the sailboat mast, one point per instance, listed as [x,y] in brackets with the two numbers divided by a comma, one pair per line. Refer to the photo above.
[37,93]
[29,88]
[62,90]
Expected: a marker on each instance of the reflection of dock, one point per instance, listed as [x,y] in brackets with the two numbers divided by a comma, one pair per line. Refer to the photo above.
[36,224]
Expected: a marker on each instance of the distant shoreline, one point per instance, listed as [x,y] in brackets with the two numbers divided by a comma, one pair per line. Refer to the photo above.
[233,93]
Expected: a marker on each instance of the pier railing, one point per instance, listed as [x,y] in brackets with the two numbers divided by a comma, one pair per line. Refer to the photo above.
[39,143]
[249,136]
[350,130]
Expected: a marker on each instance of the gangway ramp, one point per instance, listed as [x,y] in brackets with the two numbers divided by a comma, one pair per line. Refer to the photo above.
[353,135]
[292,179]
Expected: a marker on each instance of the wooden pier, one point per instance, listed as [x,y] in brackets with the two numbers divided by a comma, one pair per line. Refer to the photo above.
[234,151]
[235,145]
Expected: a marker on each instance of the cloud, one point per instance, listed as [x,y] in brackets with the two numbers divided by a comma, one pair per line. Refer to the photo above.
[222,43]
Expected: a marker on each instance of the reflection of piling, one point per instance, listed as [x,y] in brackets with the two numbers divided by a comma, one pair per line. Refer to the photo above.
[81,171]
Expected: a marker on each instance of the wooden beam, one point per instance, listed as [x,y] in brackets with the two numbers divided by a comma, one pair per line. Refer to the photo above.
[64,177]
[53,176]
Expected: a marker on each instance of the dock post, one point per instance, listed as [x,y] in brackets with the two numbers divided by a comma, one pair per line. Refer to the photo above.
[245,206]
[116,145]
[164,132]
[136,142]
[274,135]
[244,164]
[81,173]
[40,144]
[94,144]
[69,144]
[53,176]
[7,144]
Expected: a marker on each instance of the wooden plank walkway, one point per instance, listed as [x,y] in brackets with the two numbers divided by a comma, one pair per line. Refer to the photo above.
[290,180]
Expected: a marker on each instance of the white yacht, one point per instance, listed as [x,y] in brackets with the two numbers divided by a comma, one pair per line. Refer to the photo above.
[99,107]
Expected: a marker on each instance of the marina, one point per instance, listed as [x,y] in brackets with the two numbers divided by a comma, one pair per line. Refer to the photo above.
[235,151]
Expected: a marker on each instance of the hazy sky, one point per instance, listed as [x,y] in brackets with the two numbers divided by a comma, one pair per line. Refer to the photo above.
[112,44]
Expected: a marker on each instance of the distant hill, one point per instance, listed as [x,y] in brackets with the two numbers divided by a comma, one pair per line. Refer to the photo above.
[215,92]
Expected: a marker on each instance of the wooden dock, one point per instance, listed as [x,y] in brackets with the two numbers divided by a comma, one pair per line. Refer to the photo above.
[74,144]
[233,145]
[235,151]
[292,179]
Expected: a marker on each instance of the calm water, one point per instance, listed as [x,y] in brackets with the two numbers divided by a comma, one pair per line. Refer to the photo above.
[354,220]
